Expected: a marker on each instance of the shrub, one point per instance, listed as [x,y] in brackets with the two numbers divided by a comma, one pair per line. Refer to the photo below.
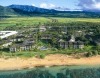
[35,49]
[95,52]
[42,56]
[89,54]
[98,52]
[54,49]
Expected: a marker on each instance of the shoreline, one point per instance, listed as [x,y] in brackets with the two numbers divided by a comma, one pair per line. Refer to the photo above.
[49,61]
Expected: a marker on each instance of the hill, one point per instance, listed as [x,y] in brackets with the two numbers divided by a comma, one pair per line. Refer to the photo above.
[27,10]
[31,9]
[6,11]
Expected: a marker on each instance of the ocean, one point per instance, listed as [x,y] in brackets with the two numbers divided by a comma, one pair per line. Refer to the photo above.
[54,72]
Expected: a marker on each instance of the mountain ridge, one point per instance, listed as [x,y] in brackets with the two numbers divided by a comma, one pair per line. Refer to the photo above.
[28,10]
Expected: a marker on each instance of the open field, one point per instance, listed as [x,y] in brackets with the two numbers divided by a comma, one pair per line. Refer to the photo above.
[34,21]
[24,21]
[67,20]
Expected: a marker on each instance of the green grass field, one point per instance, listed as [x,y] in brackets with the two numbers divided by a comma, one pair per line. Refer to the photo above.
[22,21]
[34,21]
[67,20]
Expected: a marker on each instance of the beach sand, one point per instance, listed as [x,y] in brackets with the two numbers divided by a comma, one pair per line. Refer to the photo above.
[49,60]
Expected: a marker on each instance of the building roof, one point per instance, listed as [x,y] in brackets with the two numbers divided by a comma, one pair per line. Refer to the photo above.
[5,34]
[61,40]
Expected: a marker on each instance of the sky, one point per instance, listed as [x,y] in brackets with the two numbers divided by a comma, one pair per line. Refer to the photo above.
[57,4]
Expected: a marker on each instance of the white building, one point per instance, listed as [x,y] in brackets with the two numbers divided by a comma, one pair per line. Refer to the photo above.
[5,34]
[42,28]
[72,39]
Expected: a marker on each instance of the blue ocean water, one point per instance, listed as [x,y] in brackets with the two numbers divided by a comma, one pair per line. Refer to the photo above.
[54,72]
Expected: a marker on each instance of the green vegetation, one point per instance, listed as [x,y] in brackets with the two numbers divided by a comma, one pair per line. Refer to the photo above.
[17,54]
[36,21]
[5,11]
[24,21]
[42,54]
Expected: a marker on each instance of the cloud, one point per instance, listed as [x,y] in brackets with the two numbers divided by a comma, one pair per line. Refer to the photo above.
[47,5]
[62,8]
[33,5]
[53,6]
[97,5]
[89,4]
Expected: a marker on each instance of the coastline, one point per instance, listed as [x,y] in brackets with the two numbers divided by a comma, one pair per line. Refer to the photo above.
[48,61]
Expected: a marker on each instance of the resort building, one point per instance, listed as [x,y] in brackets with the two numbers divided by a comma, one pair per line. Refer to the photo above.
[71,44]
[5,34]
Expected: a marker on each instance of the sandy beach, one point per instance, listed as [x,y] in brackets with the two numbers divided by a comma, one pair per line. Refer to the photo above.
[50,60]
